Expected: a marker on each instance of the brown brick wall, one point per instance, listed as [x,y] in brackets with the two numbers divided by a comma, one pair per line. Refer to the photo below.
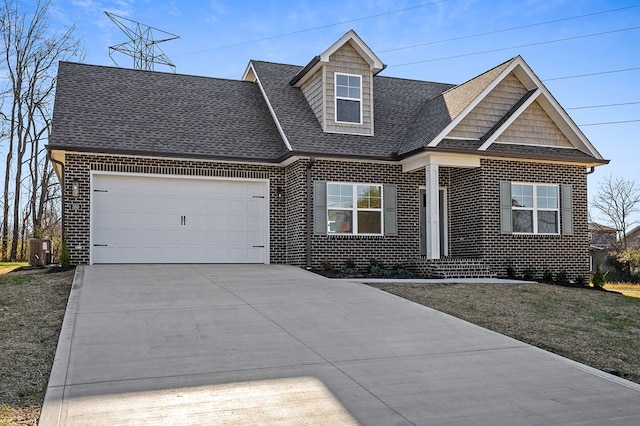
[568,252]
[296,211]
[465,231]
[402,248]
[473,210]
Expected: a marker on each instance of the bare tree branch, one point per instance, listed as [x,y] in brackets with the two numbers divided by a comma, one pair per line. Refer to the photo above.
[618,199]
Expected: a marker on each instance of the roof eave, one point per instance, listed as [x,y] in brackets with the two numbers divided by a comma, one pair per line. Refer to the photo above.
[587,162]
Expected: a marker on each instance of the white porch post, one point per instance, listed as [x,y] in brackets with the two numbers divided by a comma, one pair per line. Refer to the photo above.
[432,213]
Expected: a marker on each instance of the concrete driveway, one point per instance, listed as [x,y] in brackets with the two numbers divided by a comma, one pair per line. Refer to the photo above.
[237,344]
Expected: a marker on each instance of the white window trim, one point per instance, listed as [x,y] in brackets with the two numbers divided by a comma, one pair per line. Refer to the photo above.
[336,97]
[354,210]
[535,209]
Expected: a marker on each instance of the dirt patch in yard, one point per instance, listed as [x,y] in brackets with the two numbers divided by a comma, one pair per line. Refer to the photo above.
[596,328]
[32,306]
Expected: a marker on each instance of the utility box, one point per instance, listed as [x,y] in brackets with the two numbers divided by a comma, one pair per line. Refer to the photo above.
[39,252]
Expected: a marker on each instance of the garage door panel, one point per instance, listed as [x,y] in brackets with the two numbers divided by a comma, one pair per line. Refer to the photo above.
[178,220]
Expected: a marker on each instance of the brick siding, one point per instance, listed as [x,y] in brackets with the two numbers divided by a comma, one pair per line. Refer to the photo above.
[473,197]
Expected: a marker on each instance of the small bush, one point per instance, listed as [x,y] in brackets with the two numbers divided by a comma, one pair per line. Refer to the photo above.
[581,280]
[65,258]
[598,279]
[375,267]
[547,275]
[400,271]
[326,265]
[377,270]
[511,272]
[349,267]
[529,273]
[562,277]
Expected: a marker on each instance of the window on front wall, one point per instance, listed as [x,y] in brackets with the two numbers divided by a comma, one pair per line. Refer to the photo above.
[535,208]
[354,208]
[348,98]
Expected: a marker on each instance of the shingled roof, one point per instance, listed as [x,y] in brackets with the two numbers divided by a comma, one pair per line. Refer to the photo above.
[397,102]
[114,110]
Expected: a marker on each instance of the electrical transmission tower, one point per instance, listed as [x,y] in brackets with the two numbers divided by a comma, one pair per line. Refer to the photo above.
[142,46]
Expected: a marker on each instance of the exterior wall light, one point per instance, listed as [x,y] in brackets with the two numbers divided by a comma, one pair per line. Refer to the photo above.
[75,188]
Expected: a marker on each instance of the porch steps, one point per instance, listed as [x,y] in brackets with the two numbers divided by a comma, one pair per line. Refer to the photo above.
[452,268]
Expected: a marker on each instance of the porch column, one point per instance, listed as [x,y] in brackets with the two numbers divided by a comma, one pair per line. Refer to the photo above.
[432,212]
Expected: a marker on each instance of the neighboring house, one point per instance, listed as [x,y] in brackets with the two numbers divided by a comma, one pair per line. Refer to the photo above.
[297,164]
[633,238]
[602,239]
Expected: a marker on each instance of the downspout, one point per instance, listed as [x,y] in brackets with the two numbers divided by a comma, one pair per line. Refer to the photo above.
[309,212]
[593,169]
[53,160]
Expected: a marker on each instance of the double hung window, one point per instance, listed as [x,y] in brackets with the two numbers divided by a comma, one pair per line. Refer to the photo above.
[354,208]
[348,98]
[535,208]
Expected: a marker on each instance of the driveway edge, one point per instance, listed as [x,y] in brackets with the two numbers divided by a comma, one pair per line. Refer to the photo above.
[51,412]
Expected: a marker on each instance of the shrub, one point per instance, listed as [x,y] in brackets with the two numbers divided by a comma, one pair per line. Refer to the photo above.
[400,271]
[547,275]
[511,272]
[375,267]
[326,265]
[581,280]
[598,279]
[562,277]
[65,258]
[529,273]
[349,267]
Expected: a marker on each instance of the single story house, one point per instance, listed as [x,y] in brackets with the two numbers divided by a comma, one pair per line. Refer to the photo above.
[602,239]
[327,161]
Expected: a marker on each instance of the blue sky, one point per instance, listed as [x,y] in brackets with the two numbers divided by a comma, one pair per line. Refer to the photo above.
[436,40]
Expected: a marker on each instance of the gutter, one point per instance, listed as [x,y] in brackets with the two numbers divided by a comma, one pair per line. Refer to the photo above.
[62,196]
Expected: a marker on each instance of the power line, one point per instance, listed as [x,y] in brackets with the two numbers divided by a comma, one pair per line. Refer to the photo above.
[604,106]
[516,47]
[609,122]
[507,29]
[590,74]
[377,15]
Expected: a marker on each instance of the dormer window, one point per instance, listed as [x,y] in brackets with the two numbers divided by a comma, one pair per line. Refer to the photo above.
[348,98]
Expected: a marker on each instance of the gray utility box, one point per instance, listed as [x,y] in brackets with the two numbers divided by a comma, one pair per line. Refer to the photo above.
[39,252]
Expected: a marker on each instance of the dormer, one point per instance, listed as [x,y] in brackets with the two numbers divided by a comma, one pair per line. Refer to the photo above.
[338,84]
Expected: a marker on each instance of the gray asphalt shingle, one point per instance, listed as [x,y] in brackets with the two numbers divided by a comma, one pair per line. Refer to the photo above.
[106,109]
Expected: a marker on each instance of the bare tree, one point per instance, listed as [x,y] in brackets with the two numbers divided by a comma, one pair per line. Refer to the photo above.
[618,199]
[31,53]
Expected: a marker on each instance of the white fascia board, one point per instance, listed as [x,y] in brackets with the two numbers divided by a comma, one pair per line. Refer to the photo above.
[444,160]
[555,111]
[273,113]
[360,46]
[308,74]
[474,103]
[510,120]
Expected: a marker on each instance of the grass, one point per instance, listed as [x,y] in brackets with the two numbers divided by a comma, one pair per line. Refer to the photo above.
[6,267]
[32,305]
[596,328]
[628,289]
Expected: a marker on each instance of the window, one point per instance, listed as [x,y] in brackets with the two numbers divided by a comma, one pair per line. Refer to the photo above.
[535,208]
[354,208]
[348,98]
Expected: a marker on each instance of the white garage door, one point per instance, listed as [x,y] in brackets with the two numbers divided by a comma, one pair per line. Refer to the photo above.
[178,220]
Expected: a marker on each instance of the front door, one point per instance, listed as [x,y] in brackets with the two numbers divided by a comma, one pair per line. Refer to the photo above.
[442,201]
